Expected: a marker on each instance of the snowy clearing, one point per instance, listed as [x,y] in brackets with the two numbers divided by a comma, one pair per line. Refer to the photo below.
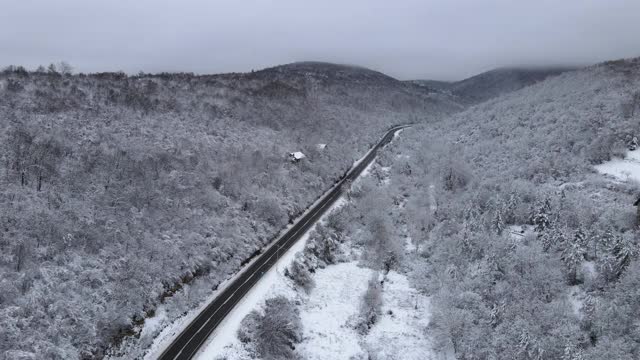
[623,169]
[401,330]
[327,313]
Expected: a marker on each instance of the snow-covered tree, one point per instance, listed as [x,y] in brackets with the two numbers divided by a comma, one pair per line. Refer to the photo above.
[498,222]
[541,217]
[573,255]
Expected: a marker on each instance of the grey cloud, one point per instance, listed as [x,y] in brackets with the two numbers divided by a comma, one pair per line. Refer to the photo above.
[406,39]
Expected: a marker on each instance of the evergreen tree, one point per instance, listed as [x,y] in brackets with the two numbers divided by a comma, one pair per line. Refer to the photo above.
[547,240]
[541,217]
[510,208]
[573,255]
[622,251]
[580,238]
[552,237]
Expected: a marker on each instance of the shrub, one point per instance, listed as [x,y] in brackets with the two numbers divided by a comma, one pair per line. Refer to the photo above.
[323,245]
[456,177]
[371,306]
[14,85]
[274,334]
[300,274]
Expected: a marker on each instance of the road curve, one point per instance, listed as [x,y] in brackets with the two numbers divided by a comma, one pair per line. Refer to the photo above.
[186,345]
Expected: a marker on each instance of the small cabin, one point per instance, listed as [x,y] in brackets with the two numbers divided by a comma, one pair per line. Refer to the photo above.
[296,156]
[321,147]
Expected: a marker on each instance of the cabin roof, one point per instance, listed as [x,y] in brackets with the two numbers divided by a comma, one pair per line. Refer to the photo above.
[297,155]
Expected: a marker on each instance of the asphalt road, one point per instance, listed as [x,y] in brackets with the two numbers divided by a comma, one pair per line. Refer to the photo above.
[186,345]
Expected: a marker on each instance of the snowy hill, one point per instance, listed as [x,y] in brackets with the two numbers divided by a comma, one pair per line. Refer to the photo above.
[117,191]
[491,84]
[528,159]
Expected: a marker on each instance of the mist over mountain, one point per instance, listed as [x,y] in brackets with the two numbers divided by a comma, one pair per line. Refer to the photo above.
[491,84]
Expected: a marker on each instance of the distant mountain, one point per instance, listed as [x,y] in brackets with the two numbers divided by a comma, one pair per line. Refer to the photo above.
[353,85]
[491,84]
[329,72]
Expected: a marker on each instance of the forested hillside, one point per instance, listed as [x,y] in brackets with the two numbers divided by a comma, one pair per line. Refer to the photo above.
[527,252]
[491,84]
[117,190]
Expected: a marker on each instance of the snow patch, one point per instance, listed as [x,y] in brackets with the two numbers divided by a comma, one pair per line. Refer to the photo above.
[151,325]
[433,204]
[326,314]
[589,268]
[518,232]
[400,333]
[409,246]
[623,169]
[576,298]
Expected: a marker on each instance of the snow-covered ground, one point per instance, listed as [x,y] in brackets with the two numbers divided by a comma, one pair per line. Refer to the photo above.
[329,313]
[223,342]
[401,331]
[623,169]
[575,296]
[518,232]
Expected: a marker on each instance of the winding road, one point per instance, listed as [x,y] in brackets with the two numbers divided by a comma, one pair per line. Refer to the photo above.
[187,343]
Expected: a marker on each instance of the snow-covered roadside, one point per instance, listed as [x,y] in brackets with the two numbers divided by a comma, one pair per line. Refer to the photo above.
[226,331]
[166,332]
[223,342]
[327,314]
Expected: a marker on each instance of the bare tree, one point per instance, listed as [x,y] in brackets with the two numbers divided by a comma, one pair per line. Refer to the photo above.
[65,68]
[20,254]
[52,69]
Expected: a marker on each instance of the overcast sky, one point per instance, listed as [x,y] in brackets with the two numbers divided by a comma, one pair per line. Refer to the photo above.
[408,39]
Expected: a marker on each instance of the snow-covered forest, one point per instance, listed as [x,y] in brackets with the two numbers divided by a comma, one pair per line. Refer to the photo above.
[117,190]
[123,193]
[498,216]
[525,250]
